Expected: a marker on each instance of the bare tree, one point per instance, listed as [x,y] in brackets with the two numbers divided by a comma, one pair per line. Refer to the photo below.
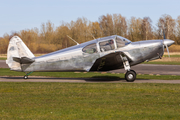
[178,30]
[120,25]
[166,24]
[47,32]
[106,24]
[61,39]
[146,28]
[135,30]
[95,29]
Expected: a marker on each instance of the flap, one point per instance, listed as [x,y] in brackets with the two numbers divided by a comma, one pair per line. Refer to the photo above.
[23,60]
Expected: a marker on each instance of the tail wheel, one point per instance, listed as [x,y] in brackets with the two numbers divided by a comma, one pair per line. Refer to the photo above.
[25,77]
[130,76]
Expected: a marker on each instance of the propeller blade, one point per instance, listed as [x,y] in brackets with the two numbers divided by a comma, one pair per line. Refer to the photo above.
[164,34]
[167,50]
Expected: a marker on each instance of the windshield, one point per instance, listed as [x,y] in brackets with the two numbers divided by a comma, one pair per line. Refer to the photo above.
[107,45]
[92,48]
[121,41]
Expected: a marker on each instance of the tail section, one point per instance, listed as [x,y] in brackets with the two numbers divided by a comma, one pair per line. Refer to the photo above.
[17,50]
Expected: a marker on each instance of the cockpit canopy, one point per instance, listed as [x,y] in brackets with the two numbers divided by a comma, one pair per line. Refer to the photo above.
[121,41]
[106,44]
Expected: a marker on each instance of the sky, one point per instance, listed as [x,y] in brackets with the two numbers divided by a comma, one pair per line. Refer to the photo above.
[17,15]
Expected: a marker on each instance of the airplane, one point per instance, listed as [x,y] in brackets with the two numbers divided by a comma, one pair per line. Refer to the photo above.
[102,54]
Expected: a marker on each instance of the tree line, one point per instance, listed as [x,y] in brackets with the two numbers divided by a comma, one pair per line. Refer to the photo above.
[50,38]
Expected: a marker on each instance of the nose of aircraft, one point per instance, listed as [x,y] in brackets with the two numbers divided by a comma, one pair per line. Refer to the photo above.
[168,42]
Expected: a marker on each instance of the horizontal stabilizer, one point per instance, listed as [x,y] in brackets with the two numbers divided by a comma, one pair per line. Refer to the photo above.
[23,60]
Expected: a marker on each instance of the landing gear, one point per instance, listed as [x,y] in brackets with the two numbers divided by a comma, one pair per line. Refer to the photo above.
[26,76]
[130,76]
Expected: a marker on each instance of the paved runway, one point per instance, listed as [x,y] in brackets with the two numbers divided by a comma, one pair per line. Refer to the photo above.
[3,64]
[140,69]
[81,80]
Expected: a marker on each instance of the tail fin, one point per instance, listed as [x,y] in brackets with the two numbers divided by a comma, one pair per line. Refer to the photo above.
[17,49]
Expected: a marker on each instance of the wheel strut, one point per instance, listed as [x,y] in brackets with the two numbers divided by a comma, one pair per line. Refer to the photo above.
[26,76]
[130,75]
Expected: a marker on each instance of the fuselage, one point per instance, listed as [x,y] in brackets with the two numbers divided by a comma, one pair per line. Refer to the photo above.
[98,55]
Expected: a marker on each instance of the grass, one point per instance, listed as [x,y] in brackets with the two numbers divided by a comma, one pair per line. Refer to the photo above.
[173,48]
[163,62]
[2,58]
[173,60]
[7,72]
[171,56]
[89,101]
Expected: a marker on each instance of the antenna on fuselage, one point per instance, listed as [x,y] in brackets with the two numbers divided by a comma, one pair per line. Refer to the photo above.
[73,40]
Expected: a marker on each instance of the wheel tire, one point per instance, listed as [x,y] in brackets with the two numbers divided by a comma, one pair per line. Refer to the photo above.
[130,76]
[133,71]
[25,77]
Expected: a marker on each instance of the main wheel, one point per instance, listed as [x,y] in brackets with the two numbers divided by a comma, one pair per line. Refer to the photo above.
[130,76]
[133,71]
[25,77]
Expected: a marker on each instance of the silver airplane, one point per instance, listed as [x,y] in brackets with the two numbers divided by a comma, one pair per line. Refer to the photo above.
[102,54]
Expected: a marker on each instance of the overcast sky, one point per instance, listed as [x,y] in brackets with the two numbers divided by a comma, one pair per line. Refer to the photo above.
[16,15]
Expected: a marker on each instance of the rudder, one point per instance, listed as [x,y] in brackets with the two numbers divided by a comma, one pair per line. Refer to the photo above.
[17,49]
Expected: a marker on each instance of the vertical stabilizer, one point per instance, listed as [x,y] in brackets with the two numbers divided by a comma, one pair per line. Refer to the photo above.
[17,49]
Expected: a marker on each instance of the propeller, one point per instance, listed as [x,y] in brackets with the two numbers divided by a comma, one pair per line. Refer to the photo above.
[164,34]
[167,50]
[167,43]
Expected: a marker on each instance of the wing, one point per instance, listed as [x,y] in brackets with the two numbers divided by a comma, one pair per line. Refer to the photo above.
[110,61]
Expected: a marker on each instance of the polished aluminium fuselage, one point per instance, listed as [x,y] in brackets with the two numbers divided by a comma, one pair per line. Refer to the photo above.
[74,59]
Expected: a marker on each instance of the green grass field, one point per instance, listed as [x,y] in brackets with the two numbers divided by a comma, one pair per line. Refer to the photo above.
[89,101]
[2,58]
[163,62]
[171,56]
[117,101]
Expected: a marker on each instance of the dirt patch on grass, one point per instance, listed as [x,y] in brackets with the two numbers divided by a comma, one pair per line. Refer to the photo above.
[171,59]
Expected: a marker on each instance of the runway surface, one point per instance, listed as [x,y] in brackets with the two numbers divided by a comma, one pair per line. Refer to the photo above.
[81,80]
[3,64]
[140,69]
